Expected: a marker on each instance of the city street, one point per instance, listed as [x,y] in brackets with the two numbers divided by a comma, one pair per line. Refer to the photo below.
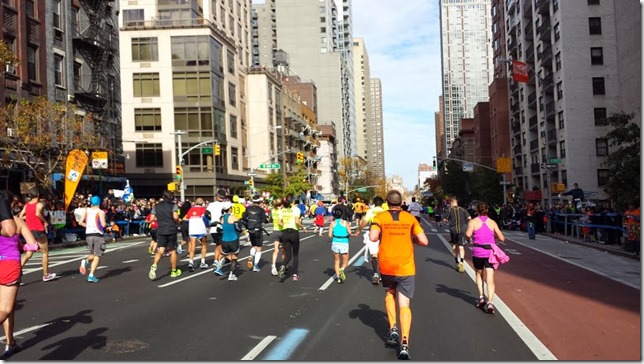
[555,301]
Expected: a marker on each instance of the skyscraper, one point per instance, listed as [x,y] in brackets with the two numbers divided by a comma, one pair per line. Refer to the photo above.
[377,139]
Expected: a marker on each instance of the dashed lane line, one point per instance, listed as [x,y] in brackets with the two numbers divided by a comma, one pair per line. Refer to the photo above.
[259,348]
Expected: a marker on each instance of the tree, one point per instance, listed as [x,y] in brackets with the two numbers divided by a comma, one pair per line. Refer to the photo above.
[297,183]
[39,134]
[6,55]
[623,162]
[274,184]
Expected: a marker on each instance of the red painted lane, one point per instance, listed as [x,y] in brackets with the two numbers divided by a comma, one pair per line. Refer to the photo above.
[577,314]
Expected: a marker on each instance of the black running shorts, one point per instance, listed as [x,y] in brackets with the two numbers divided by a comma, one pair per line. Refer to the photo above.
[255,238]
[167,241]
[403,284]
[480,263]
[456,238]
[230,247]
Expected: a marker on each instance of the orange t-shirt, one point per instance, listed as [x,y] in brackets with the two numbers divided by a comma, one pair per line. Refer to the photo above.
[396,250]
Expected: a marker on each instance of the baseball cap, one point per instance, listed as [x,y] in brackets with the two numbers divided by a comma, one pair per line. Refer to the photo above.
[221,193]
[226,205]
[95,201]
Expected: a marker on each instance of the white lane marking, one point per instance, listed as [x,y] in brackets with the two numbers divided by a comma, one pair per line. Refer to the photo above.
[130,261]
[531,341]
[29,329]
[259,348]
[330,280]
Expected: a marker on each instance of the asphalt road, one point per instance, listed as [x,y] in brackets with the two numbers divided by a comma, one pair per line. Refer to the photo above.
[200,316]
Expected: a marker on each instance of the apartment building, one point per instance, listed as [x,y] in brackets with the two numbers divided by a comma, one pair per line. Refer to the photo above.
[201,49]
[580,73]
[377,138]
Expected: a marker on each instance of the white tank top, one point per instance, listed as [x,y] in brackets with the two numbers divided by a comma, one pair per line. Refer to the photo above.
[93,222]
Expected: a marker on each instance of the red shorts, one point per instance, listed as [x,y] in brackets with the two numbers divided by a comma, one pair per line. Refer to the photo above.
[319,220]
[10,272]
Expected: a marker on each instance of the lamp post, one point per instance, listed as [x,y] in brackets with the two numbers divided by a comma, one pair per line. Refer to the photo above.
[181,154]
[252,172]
[545,129]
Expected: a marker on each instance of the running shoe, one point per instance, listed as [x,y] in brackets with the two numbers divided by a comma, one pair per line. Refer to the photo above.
[150,250]
[175,273]
[273,270]
[49,277]
[92,279]
[461,268]
[9,350]
[232,277]
[153,272]
[167,253]
[203,265]
[339,280]
[218,271]
[249,263]
[393,337]
[457,267]
[180,249]
[296,277]
[255,268]
[282,272]
[343,277]
[83,266]
[191,267]
[481,302]
[403,352]
[489,308]
[375,279]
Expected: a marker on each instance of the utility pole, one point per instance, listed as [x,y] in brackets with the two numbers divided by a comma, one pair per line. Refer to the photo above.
[179,133]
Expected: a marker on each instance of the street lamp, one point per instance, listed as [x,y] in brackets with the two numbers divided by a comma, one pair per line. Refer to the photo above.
[181,154]
[252,172]
[545,128]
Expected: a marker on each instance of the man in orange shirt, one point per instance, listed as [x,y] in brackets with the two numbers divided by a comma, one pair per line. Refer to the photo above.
[394,228]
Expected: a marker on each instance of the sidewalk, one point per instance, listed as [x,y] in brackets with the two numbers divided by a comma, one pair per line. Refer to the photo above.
[611,249]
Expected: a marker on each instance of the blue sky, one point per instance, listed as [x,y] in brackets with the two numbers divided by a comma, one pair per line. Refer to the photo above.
[403,43]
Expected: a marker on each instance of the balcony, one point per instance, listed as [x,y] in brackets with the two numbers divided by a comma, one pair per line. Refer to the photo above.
[532,98]
[542,6]
[535,168]
[550,109]
[552,136]
[527,8]
[527,31]
[514,24]
[511,5]
[518,171]
[544,30]
[534,145]
[545,56]
[533,122]
[516,149]
[547,83]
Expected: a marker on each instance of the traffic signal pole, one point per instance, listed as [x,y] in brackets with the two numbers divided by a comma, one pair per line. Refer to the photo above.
[181,154]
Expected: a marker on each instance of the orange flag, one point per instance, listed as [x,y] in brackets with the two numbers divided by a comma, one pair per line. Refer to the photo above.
[74,168]
[520,71]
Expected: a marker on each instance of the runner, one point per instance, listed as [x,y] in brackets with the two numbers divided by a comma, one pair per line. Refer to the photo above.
[185,226]
[276,236]
[153,225]
[438,216]
[253,218]
[372,246]
[215,208]
[33,214]
[290,220]
[94,223]
[229,239]
[394,228]
[339,232]
[415,208]
[359,208]
[238,210]
[319,213]
[166,213]
[457,218]
[196,232]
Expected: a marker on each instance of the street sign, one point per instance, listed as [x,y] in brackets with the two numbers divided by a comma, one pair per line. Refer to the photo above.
[550,166]
[503,165]
[361,189]
[99,160]
[252,174]
[468,167]
[554,160]
[269,166]
[207,150]
[507,183]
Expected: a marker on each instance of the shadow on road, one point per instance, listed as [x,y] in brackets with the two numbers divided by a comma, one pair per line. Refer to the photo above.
[440,262]
[70,347]
[116,272]
[58,326]
[374,318]
[455,292]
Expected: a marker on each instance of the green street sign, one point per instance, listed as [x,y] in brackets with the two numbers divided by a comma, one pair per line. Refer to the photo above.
[361,189]
[555,160]
[206,150]
[270,166]
[247,182]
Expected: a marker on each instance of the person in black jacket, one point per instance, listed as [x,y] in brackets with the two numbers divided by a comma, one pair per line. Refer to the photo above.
[457,218]
[166,213]
[253,218]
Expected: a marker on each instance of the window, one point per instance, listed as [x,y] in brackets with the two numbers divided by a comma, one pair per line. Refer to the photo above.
[149,155]
[323,30]
[192,86]
[593,2]
[234,158]
[57,12]
[601,118]
[59,67]
[557,32]
[603,176]
[145,49]
[598,86]
[77,75]
[232,94]
[596,55]
[32,63]
[147,119]
[559,90]
[322,19]
[230,62]
[558,61]
[595,25]
[555,5]
[133,17]
[191,51]
[146,84]
[11,45]
[197,121]
[30,8]
[564,177]
[562,149]
[233,126]
[601,147]
[560,119]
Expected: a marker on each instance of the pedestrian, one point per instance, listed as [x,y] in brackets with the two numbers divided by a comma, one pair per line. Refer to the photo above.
[166,213]
[530,221]
[339,232]
[632,225]
[319,213]
[33,214]
[253,219]
[276,236]
[457,219]
[95,224]
[230,238]
[185,225]
[481,231]
[196,232]
[395,229]
[372,246]
[216,209]
[290,239]
[577,196]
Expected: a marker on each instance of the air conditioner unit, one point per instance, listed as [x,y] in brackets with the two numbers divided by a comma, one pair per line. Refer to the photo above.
[71,98]
[9,68]
[9,132]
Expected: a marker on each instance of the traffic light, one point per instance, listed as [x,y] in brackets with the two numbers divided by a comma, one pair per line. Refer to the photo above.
[251,183]
[300,157]
[179,173]
[434,164]
[217,149]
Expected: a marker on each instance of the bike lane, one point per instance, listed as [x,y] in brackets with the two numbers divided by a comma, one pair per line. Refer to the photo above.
[576,313]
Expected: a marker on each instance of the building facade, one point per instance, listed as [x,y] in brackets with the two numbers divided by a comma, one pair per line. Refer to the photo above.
[362,81]
[377,137]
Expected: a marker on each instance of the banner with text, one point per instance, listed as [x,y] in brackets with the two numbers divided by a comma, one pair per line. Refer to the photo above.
[74,168]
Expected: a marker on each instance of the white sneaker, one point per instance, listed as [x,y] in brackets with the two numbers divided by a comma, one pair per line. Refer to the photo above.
[273,270]
[49,277]
[232,277]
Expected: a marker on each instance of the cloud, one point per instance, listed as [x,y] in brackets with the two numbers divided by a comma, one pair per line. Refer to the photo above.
[403,42]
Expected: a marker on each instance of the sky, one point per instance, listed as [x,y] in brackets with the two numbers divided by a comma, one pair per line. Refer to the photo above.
[402,39]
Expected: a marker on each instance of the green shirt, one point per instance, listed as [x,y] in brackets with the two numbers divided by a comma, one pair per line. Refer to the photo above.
[288,216]
[275,216]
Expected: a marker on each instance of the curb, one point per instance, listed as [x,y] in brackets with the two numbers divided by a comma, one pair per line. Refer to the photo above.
[610,249]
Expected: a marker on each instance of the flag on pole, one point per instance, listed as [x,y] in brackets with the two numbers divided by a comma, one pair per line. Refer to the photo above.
[74,168]
[128,192]
[520,71]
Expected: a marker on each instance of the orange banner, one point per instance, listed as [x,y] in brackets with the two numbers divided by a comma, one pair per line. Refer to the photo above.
[74,168]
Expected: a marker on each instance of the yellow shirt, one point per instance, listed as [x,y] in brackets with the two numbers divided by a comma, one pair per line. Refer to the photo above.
[238,210]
